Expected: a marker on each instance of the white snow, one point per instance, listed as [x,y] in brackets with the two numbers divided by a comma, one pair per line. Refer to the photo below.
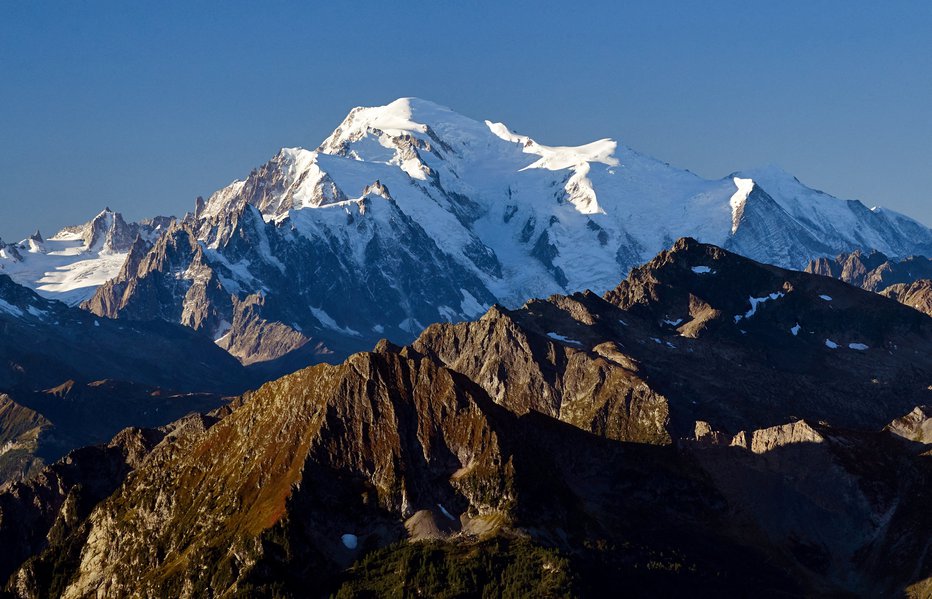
[470,305]
[738,200]
[857,346]
[622,322]
[795,329]
[222,332]
[66,270]
[326,320]
[350,541]
[831,344]
[755,302]
[10,308]
[562,339]
[36,312]
[827,298]
[701,270]
[411,325]
[673,323]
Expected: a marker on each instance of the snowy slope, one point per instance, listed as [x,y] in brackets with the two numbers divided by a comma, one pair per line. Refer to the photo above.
[553,218]
[410,213]
[72,264]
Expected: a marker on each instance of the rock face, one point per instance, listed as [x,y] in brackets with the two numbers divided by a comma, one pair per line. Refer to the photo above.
[410,214]
[917,294]
[908,281]
[698,333]
[39,427]
[691,429]
[20,431]
[61,370]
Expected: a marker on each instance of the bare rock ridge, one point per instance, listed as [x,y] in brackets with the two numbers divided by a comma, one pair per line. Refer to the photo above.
[909,281]
[692,429]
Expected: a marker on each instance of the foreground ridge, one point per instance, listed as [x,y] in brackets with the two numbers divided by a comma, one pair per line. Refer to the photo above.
[694,426]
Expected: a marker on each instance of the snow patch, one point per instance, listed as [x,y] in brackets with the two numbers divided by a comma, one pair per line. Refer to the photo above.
[411,325]
[701,270]
[827,298]
[326,320]
[795,329]
[470,305]
[562,339]
[10,308]
[444,511]
[673,323]
[755,302]
[831,344]
[857,346]
[37,312]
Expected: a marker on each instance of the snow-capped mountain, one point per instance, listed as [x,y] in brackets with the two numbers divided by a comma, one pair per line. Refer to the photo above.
[73,263]
[411,213]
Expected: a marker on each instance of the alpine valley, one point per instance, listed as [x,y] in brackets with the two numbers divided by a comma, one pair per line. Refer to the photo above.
[434,357]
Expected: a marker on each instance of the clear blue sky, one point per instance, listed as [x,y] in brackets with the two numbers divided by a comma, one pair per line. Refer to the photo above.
[144,105]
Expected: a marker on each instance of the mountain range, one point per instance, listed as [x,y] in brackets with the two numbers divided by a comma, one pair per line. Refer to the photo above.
[434,357]
[409,214]
[710,425]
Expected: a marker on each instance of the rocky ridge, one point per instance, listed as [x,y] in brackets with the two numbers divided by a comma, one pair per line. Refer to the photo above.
[675,433]
[909,281]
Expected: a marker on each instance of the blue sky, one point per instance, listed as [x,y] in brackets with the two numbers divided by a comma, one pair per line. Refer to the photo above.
[143,106]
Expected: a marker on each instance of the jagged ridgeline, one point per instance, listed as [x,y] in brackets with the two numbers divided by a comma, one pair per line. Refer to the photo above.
[712,425]
[410,214]
[908,281]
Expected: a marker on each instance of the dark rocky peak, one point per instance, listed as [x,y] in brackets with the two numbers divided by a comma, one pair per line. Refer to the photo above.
[37,237]
[874,271]
[121,235]
[703,288]
[137,252]
[173,252]
[698,322]
[21,302]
